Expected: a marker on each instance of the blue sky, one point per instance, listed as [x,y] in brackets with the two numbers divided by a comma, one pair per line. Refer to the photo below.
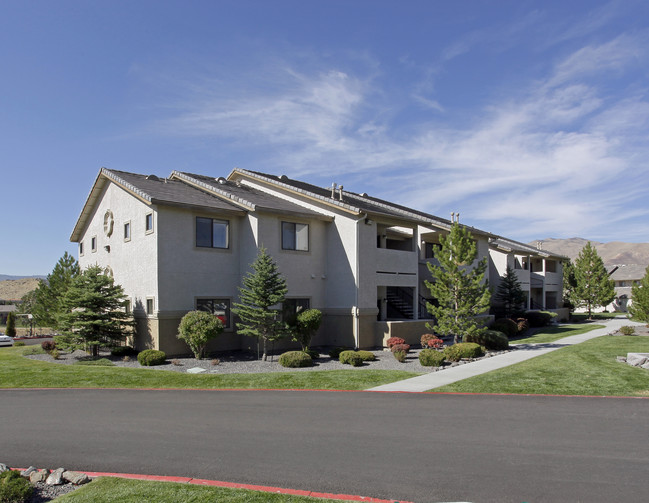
[530,118]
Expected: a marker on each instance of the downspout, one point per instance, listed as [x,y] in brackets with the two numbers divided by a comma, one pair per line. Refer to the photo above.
[355,308]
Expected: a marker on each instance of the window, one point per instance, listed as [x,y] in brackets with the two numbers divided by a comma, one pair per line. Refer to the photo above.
[148,223]
[93,243]
[211,233]
[127,231]
[295,236]
[127,306]
[149,306]
[81,249]
[430,249]
[291,307]
[218,307]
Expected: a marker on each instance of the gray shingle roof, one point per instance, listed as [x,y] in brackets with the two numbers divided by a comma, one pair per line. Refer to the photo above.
[629,272]
[522,248]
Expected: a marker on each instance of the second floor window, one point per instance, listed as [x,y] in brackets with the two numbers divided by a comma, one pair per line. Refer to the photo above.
[295,236]
[212,233]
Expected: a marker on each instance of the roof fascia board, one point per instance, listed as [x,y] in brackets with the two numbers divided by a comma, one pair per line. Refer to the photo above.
[222,194]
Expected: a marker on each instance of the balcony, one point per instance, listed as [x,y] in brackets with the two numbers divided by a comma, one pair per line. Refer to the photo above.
[396,262]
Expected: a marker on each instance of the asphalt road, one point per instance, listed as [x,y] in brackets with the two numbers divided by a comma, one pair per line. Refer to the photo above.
[417,447]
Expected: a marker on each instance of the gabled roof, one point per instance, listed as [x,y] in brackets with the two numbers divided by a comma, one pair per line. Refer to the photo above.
[150,189]
[509,245]
[628,272]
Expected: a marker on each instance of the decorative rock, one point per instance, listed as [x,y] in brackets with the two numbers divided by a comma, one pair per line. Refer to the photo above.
[76,478]
[56,477]
[645,365]
[637,359]
[621,359]
[195,370]
[39,476]
[28,472]
[3,467]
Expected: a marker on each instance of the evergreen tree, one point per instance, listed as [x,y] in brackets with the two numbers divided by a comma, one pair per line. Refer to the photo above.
[510,293]
[639,307]
[458,286]
[46,301]
[263,288]
[569,285]
[93,312]
[11,325]
[593,286]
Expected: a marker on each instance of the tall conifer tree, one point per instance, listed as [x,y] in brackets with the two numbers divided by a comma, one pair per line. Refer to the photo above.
[46,300]
[510,293]
[593,286]
[263,288]
[639,307]
[458,286]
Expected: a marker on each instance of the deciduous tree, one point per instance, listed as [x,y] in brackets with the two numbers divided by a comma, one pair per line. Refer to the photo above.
[593,286]
[306,324]
[458,285]
[639,307]
[197,328]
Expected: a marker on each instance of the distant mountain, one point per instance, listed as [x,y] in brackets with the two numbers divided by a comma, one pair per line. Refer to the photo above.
[5,277]
[15,289]
[613,253]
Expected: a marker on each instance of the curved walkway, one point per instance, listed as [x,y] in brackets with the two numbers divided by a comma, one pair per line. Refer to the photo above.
[523,352]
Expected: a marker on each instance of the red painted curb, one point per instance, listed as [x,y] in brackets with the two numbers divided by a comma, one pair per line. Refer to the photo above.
[235,485]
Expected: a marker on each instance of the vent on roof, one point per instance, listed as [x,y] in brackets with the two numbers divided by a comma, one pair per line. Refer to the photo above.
[221,180]
[283,177]
[364,194]
[153,177]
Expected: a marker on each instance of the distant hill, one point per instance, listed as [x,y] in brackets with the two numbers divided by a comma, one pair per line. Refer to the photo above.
[613,253]
[15,289]
[5,277]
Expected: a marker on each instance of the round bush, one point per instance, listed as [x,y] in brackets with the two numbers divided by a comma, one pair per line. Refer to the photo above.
[627,330]
[400,347]
[48,345]
[367,356]
[312,353]
[295,359]
[393,341]
[431,358]
[14,488]
[490,339]
[506,326]
[123,351]
[335,352]
[540,318]
[400,355]
[456,352]
[351,358]
[151,357]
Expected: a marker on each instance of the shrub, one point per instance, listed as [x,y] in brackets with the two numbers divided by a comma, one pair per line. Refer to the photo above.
[522,324]
[306,324]
[14,488]
[10,330]
[19,343]
[399,354]
[102,362]
[393,341]
[431,358]
[506,326]
[48,345]
[295,359]
[627,330]
[431,341]
[55,354]
[367,356]
[123,351]
[490,339]
[456,352]
[197,328]
[215,362]
[540,318]
[335,352]
[151,357]
[312,353]
[33,350]
[351,358]
[400,347]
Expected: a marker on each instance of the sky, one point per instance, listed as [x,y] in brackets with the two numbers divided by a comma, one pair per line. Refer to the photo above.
[529,118]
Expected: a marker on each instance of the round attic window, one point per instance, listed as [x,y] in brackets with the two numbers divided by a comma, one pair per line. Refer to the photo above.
[109,221]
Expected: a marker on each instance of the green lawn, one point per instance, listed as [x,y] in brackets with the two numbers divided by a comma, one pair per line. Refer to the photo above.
[551,334]
[109,489]
[589,368]
[19,372]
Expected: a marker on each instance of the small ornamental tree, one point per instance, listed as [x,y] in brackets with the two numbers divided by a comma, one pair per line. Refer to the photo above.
[639,307]
[593,286]
[510,293]
[197,328]
[11,325]
[306,325]
[458,285]
[93,313]
[263,289]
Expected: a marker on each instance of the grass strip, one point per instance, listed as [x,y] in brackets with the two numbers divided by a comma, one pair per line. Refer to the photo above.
[110,489]
[551,334]
[589,368]
[19,372]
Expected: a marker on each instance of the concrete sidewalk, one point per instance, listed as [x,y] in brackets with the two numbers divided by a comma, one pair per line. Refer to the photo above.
[523,352]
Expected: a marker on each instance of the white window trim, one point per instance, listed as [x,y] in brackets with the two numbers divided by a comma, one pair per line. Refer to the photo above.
[149,231]
[130,231]
[81,247]
[93,244]
[146,306]
[296,249]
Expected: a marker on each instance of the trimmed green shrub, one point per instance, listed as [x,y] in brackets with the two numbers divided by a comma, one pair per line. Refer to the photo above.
[456,352]
[367,356]
[312,353]
[627,330]
[151,357]
[19,343]
[540,318]
[335,352]
[295,359]
[399,354]
[123,351]
[507,326]
[431,358]
[102,362]
[306,325]
[14,488]
[352,358]
[490,339]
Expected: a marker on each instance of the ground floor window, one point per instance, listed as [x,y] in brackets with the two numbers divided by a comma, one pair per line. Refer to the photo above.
[218,307]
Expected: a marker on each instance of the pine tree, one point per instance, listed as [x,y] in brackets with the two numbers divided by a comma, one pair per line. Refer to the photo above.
[11,325]
[93,312]
[458,286]
[46,301]
[510,293]
[569,285]
[594,288]
[639,307]
[263,288]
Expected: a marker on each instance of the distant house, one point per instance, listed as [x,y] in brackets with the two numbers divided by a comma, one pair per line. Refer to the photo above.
[5,309]
[625,276]
[184,242]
